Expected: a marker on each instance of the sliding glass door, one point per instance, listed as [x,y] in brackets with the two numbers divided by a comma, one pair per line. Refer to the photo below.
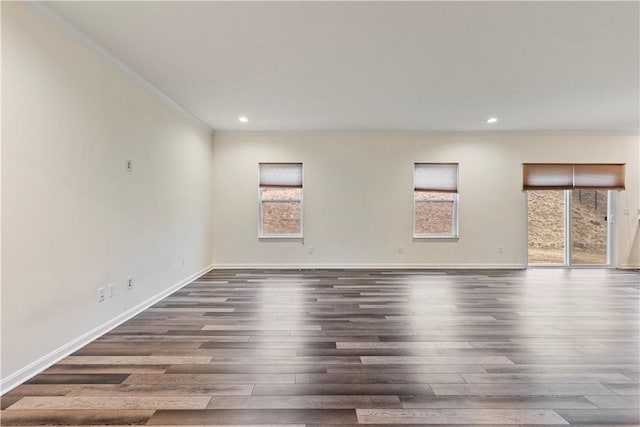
[546,226]
[589,227]
[569,227]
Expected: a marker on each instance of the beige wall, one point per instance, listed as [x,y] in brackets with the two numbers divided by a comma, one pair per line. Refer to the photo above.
[72,218]
[358,196]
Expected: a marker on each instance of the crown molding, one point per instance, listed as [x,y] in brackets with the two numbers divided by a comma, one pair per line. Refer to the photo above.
[103,53]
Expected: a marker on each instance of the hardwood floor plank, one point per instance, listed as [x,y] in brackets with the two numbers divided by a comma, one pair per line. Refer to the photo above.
[545,378]
[559,369]
[498,402]
[41,390]
[436,360]
[364,352]
[204,379]
[399,344]
[134,360]
[603,416]
[113,403]
[173,338]
[615,402]
[163,390]
[262,327]
[253,416]
[271,345]
[75,417]
[520,389]
[459,416]
[78,379]
[303,360]
[304,402]
[229,352]
[377,378]
[625,389]
[406,369]
[340,389]
[7,401]
[247,369]
[106,369]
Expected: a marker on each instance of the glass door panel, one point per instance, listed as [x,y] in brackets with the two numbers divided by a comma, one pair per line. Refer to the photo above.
[589,226]
[546,227]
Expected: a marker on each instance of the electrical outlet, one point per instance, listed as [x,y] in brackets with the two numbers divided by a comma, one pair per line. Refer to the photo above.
[102,294]
[626,211]
[129,166]
[500,250]
[130,283]
[310,250]
[111,290]
[400,250]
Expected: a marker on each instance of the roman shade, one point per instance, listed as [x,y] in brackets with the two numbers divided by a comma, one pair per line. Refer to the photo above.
[559,176]
[599,176]
[439,177]
[547,176]
[281,175]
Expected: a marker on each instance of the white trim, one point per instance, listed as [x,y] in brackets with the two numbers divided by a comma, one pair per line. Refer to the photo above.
[426,266]
[55,356]
[612,211]
[568,227]
[280,236]
[103,53]
[571,267]
[429,237]
[629,267]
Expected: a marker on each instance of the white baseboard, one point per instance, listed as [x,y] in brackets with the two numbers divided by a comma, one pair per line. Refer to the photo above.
[55,356]
[629,267]
[424,266]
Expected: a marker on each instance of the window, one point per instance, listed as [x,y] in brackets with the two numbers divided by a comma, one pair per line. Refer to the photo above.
[435,200]
[280,196]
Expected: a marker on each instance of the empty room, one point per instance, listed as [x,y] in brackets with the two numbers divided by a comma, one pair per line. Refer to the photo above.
[320,213]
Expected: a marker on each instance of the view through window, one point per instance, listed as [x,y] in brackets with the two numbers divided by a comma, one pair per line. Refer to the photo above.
[281,211]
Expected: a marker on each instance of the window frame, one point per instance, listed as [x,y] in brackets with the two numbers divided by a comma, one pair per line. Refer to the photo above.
[455,231]
[454,221]
[261,234]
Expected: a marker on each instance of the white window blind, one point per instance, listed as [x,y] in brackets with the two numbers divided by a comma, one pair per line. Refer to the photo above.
[599,176]
[536,176]
[547,176]
[438,177]
[281,175]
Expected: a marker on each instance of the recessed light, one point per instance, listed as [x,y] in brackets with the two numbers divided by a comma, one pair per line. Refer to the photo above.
[492,120]
[243,119]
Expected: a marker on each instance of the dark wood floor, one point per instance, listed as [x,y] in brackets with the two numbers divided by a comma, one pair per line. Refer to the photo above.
[514,348]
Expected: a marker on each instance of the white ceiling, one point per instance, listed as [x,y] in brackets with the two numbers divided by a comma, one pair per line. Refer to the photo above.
[390,66]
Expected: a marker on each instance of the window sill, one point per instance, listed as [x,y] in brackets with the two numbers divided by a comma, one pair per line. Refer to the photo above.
[436,237]
[287,237]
